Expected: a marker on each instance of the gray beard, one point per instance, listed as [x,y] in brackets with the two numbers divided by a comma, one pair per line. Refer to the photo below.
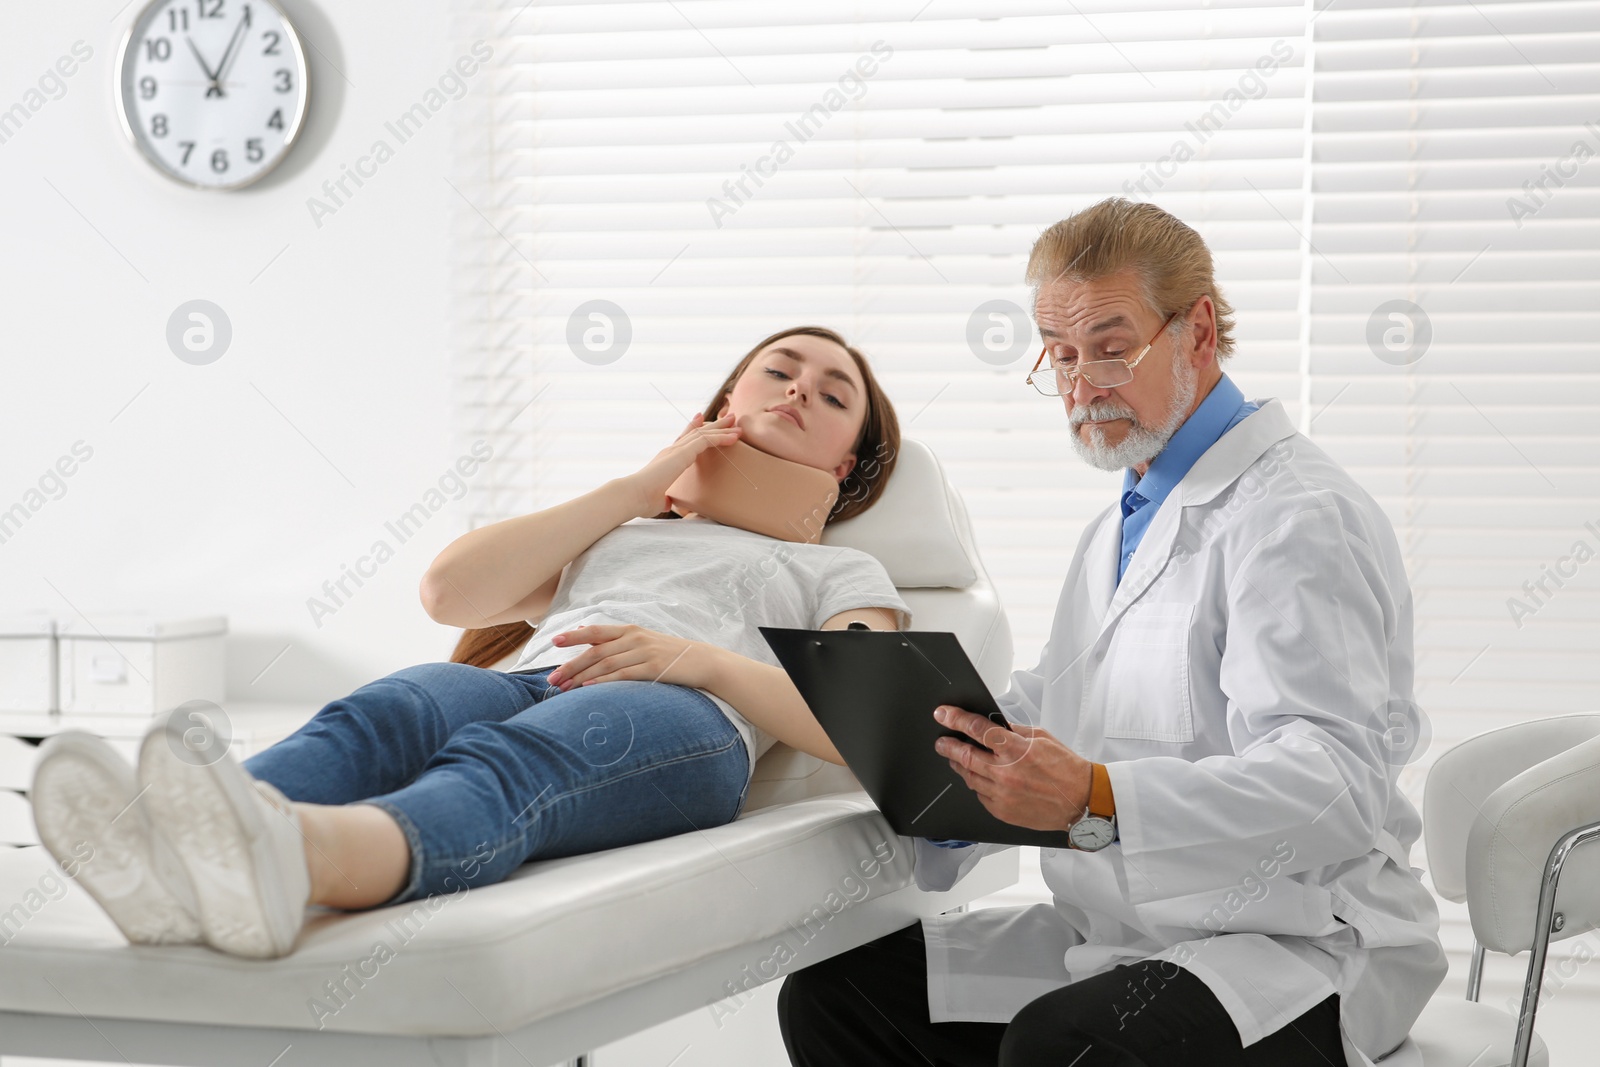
[1142,443]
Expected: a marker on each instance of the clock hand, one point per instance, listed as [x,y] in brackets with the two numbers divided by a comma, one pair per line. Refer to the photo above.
[230,55]
[201,60]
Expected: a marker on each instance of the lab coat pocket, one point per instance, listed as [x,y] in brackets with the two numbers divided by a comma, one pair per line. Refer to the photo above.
[1147,671]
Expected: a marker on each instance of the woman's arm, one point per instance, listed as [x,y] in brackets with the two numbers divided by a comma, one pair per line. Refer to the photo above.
[765,695]
[507,571]
[484,572]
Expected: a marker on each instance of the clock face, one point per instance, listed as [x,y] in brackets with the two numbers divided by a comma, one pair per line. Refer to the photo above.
[212,91]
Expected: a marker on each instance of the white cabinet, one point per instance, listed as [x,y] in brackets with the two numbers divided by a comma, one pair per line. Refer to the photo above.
[250,726]
[28,664]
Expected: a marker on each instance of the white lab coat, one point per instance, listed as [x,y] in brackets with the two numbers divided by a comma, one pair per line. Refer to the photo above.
[1237,684]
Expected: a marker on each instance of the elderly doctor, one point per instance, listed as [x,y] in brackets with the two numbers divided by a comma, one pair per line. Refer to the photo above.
[1210,719]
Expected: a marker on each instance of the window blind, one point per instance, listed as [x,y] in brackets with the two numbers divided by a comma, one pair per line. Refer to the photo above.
[714,170]
[1454,255]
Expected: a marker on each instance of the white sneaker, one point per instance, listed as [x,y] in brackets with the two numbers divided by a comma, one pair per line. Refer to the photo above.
[84,807]
[239,839]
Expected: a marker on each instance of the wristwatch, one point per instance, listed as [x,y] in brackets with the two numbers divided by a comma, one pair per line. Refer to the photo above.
[1097,827]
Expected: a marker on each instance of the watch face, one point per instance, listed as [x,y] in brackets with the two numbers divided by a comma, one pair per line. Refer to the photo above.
[212,92]
[1091,833]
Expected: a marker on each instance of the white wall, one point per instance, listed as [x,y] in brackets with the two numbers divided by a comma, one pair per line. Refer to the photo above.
[208,493]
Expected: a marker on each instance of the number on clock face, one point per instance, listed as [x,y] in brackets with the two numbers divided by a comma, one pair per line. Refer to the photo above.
[213,92]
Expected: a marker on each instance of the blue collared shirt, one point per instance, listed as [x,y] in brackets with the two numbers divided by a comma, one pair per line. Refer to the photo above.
[1222,409]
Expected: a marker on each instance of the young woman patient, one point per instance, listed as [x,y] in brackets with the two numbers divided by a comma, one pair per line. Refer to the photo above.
[636,711]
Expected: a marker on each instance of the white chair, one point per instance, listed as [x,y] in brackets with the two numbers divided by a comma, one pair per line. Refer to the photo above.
[565,955]
[1503,814]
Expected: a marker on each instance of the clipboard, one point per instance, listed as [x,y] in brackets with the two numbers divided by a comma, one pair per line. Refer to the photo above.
[873,692]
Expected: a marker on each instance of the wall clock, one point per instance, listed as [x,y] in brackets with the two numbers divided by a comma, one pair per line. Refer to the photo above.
[212,92]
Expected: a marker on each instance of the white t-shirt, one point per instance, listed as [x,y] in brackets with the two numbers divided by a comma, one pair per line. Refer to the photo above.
[700,580]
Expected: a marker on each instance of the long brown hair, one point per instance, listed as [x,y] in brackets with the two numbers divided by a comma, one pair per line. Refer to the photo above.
[877,449]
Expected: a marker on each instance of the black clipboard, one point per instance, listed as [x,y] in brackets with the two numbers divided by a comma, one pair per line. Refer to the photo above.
[874,692]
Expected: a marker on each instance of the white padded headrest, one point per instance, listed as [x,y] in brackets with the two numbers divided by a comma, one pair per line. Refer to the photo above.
[918,529]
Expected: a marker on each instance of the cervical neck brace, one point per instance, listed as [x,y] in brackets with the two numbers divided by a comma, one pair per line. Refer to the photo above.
[740,485]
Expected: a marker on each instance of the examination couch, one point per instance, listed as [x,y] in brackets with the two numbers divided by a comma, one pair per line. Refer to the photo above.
[566,954]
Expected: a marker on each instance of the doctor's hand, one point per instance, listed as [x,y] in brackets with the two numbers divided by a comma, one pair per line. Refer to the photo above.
[630,653]
[1029,778]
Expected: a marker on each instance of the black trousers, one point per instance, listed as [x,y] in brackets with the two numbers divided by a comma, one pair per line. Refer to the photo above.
[869,1006]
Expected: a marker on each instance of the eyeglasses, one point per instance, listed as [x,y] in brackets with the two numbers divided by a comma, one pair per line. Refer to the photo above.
[1101,373]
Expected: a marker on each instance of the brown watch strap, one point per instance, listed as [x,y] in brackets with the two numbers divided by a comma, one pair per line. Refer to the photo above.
[1101,802]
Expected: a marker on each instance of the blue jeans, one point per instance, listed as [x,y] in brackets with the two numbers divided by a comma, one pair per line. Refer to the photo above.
[485,770]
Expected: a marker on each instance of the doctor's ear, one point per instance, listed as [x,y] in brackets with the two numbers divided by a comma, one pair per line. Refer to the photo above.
[1199,337]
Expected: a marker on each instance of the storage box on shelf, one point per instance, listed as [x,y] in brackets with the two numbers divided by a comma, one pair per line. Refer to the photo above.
[138,665]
